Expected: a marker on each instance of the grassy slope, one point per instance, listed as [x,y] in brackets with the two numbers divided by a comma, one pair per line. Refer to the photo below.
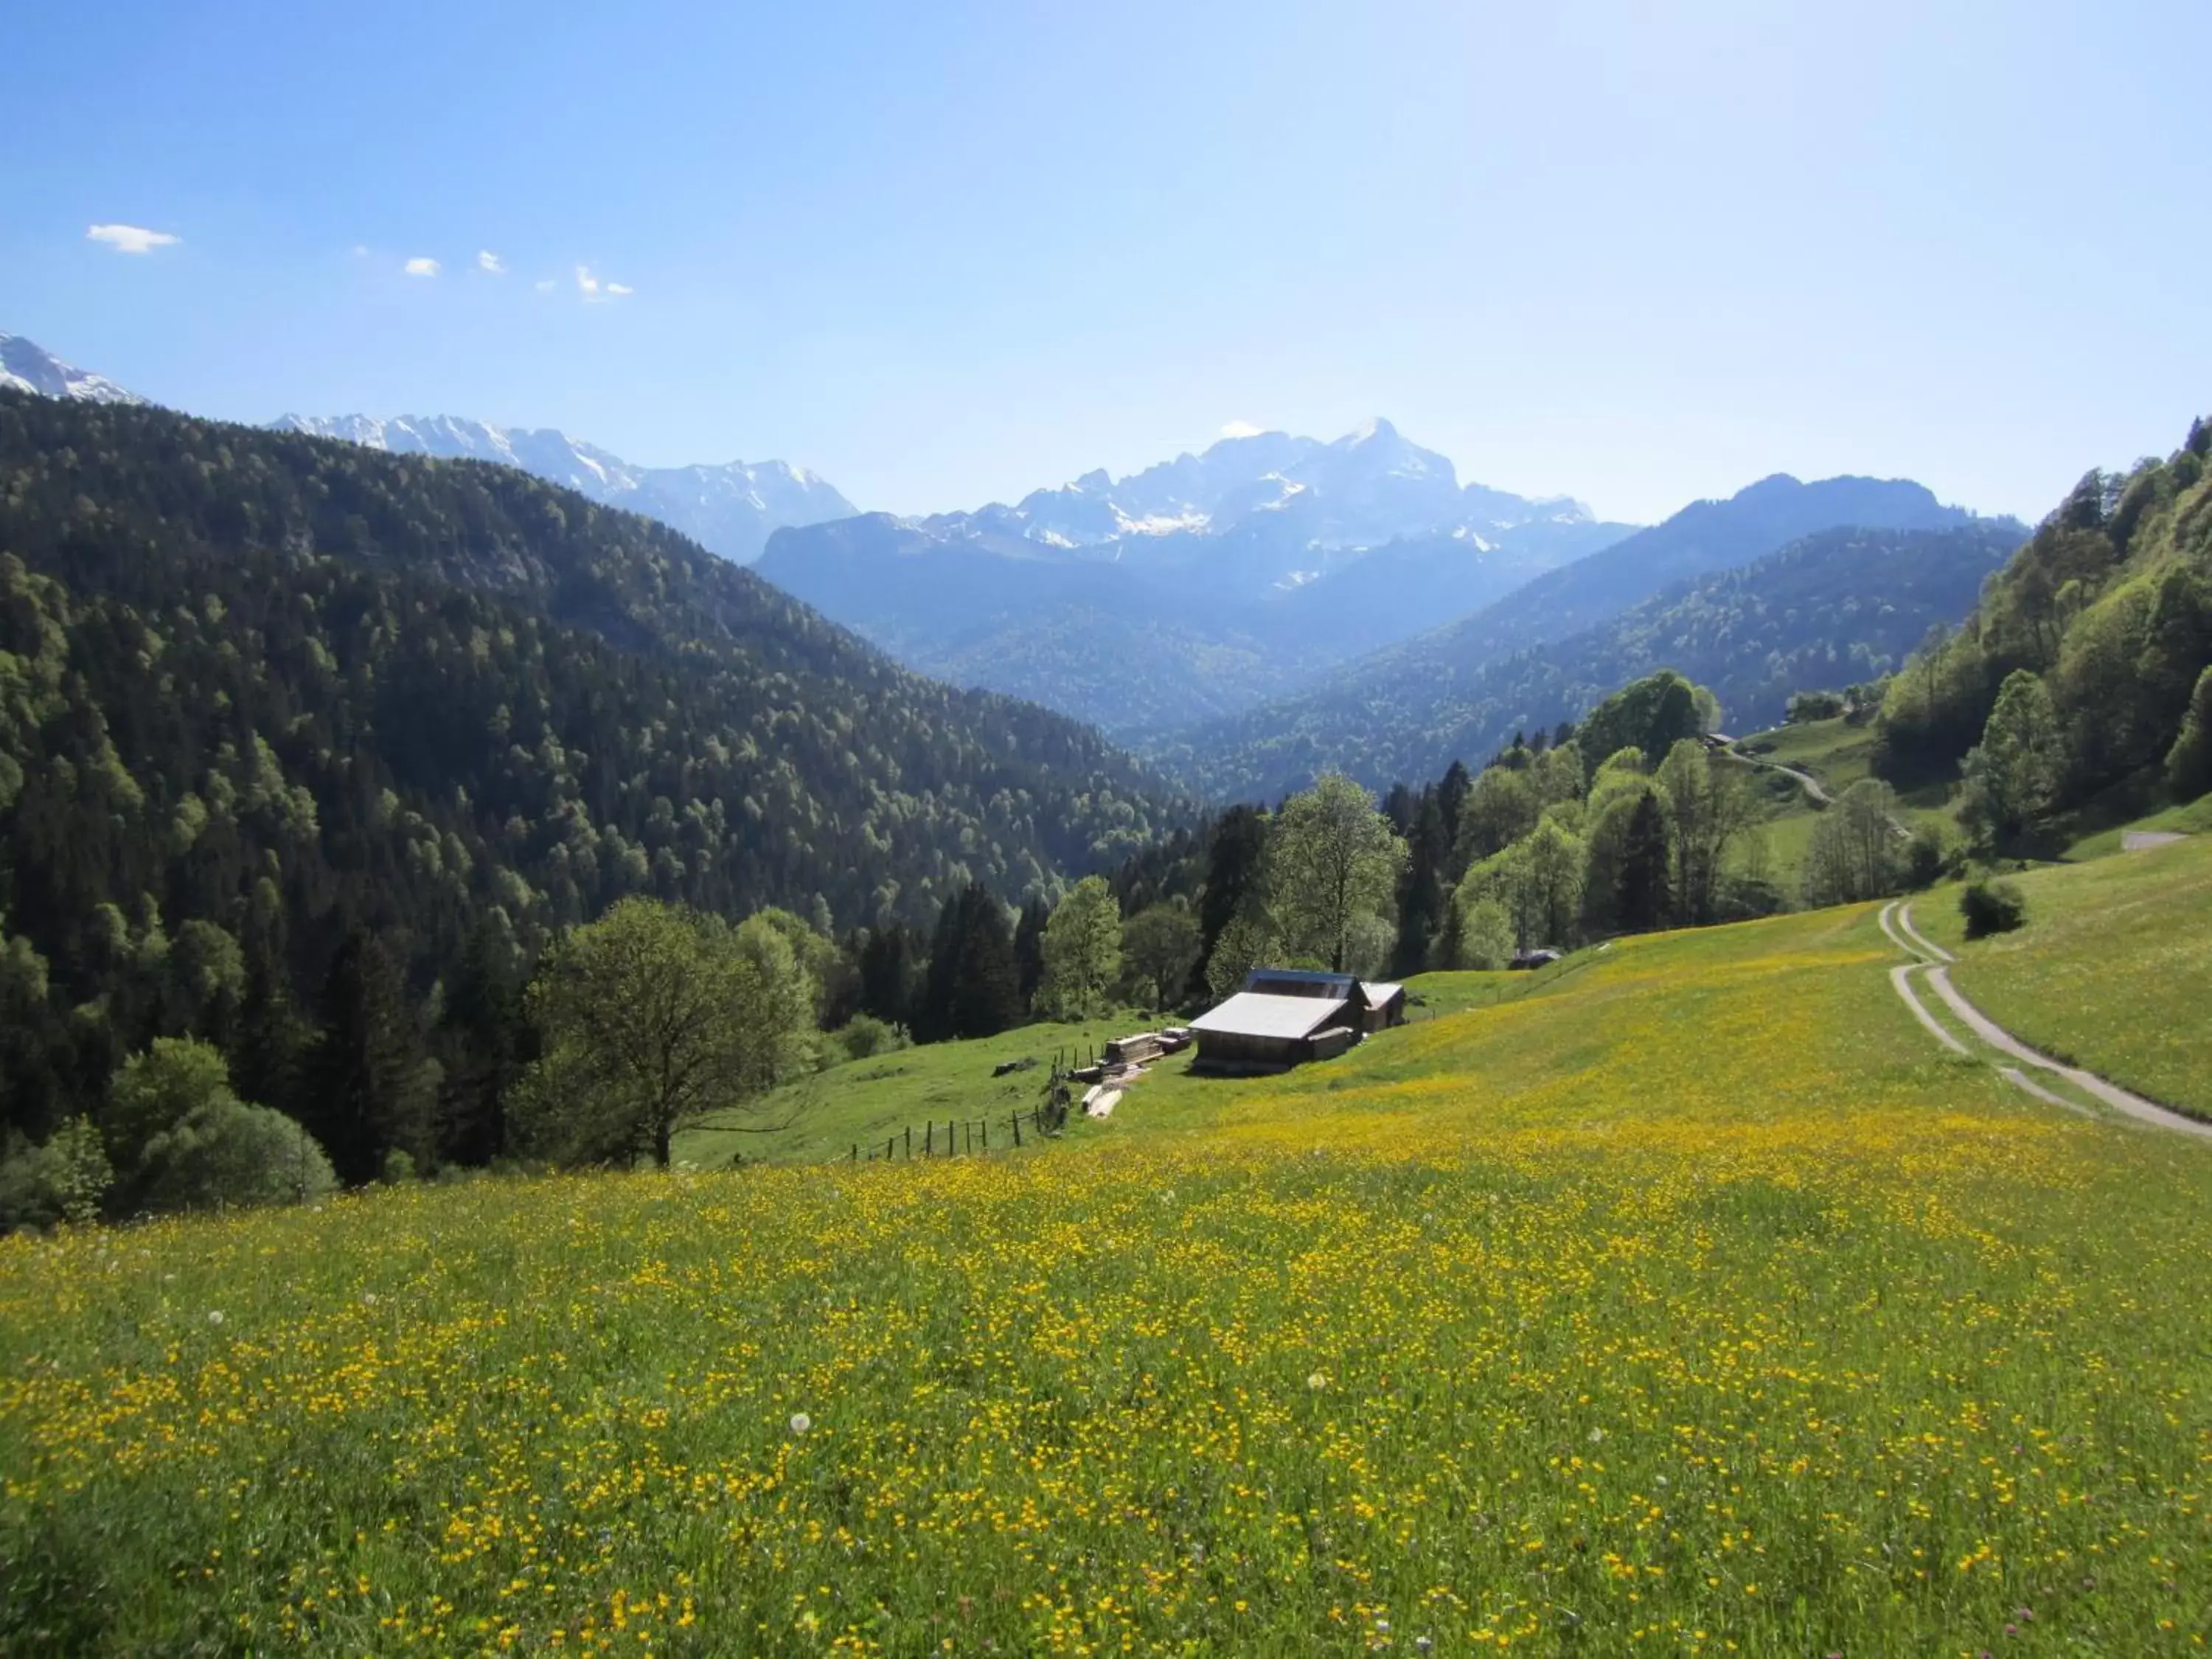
[1840,755]
[1690,1302]
[864,1102]
[2112,970]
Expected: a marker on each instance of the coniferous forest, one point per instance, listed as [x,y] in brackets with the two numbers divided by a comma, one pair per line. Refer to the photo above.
[305,749]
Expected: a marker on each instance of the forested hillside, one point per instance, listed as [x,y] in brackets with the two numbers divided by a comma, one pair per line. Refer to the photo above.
[1835,609]
[265,699]
[2088,666]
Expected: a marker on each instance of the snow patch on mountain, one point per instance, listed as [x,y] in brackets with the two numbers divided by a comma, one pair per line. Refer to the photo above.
[729,509]
[26,366]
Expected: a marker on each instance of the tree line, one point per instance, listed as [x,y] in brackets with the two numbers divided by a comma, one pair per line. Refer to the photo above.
[2083,672]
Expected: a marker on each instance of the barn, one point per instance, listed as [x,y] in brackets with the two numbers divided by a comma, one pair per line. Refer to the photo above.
[1284,1017]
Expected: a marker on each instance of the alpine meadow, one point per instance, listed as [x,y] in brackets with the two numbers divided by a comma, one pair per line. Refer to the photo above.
[1105,1003]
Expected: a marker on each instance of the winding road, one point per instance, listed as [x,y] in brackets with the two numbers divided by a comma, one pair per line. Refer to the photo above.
[1932,962]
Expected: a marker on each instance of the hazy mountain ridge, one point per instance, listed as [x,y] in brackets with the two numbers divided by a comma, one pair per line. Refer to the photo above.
[730,509]
[1407,710]
[1193,588]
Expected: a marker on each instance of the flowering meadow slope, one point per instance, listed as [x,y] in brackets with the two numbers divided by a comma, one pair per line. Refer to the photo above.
[1695,1306]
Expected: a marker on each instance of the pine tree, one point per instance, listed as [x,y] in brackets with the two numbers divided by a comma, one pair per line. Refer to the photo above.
[370,1091]
[1423,898]
[1029,949]
[987,998]
[485,1040]
[270,1042]
[1646,896]
[1232,872]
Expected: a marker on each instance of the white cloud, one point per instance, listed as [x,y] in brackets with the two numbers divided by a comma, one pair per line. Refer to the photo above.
[543,285]
[594,290]
[1242,429]
[491,264]
[419,266]
[360,250]
[129,238]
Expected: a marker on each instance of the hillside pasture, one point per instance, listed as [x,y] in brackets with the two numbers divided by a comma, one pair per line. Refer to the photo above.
[1692,1302]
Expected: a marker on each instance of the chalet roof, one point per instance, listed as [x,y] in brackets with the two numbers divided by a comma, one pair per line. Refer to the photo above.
[1380,991]
[1317,977]
[1255,1013]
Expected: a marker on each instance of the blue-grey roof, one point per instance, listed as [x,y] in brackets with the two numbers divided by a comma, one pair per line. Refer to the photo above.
[1302,976]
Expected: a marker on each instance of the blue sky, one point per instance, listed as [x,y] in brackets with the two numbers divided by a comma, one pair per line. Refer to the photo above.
[942,254]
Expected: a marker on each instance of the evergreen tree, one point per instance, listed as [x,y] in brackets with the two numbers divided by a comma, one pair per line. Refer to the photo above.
[1451,796]
[1423,896]
[271,1041]
[370,1089]
[1029,949]
[973,987]
[1232,872]
[484,1039]
[890,970]
[1646,893]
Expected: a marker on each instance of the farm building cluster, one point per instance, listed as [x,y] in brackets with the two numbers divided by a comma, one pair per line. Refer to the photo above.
[1284,1017]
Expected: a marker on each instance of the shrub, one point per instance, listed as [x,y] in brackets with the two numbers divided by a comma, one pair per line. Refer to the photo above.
[181,1140]
[1992,907]
[864,1036]
[226,1154]
[63,1179]
[1814,706]
[1929,858]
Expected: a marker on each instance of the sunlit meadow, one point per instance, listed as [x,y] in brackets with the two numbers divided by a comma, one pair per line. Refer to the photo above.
[1692,1306]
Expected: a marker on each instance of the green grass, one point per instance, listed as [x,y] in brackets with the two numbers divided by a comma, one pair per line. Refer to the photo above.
[868,1102]
[2111,971]
[2193,819]
[1689,1301]
[1838,755]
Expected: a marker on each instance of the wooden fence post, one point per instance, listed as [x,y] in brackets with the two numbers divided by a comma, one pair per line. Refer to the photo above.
[928,1136]
[910,1140]
[986,1134]
[1017,1121]
[856,1152]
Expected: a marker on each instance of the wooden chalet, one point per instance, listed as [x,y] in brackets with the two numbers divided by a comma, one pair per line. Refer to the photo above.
[1284,1017]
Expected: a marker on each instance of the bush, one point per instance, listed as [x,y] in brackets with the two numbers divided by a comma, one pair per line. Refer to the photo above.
[181,1140]
[864,1036]
[1992,907]
[1814,706]
[63,1179]
[226,1153]
[1929,857]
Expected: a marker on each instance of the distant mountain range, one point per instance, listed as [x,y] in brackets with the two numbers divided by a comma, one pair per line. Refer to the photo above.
[25,365]
[1271,609]
[1875,563]
[729,509]
[1194,588]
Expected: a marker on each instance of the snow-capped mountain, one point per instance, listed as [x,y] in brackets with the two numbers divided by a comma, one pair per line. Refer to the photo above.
[25,365]
[1200,584]
[1366,488]
[729,509]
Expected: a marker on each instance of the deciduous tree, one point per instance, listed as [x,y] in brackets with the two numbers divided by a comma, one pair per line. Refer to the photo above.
[1332,857]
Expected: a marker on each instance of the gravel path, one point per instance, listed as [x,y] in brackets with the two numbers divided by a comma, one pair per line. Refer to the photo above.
[1931,962]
